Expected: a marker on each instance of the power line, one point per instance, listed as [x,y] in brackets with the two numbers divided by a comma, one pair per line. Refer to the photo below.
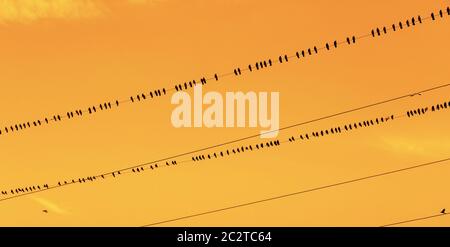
[260,65]
[416,219]
[22,191]
[299,192]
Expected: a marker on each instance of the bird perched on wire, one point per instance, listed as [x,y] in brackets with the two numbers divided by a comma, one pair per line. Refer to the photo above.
[443,211]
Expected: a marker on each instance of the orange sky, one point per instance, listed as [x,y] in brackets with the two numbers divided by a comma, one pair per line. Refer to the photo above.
[63,55]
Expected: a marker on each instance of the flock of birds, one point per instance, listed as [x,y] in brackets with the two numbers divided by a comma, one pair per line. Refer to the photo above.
[231,151]
[320,133]
[237,72]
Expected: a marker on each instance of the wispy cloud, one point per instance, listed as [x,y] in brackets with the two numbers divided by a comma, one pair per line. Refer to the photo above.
[50,206]
[25,11]
[412,146]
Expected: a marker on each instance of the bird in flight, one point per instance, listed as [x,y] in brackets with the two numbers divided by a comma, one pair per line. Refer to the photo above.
[45,211]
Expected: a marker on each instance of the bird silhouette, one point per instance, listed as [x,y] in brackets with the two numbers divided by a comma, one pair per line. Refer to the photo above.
[45,211]
[443,211]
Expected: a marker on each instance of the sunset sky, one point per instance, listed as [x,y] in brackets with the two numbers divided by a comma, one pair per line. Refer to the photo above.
[63,55]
